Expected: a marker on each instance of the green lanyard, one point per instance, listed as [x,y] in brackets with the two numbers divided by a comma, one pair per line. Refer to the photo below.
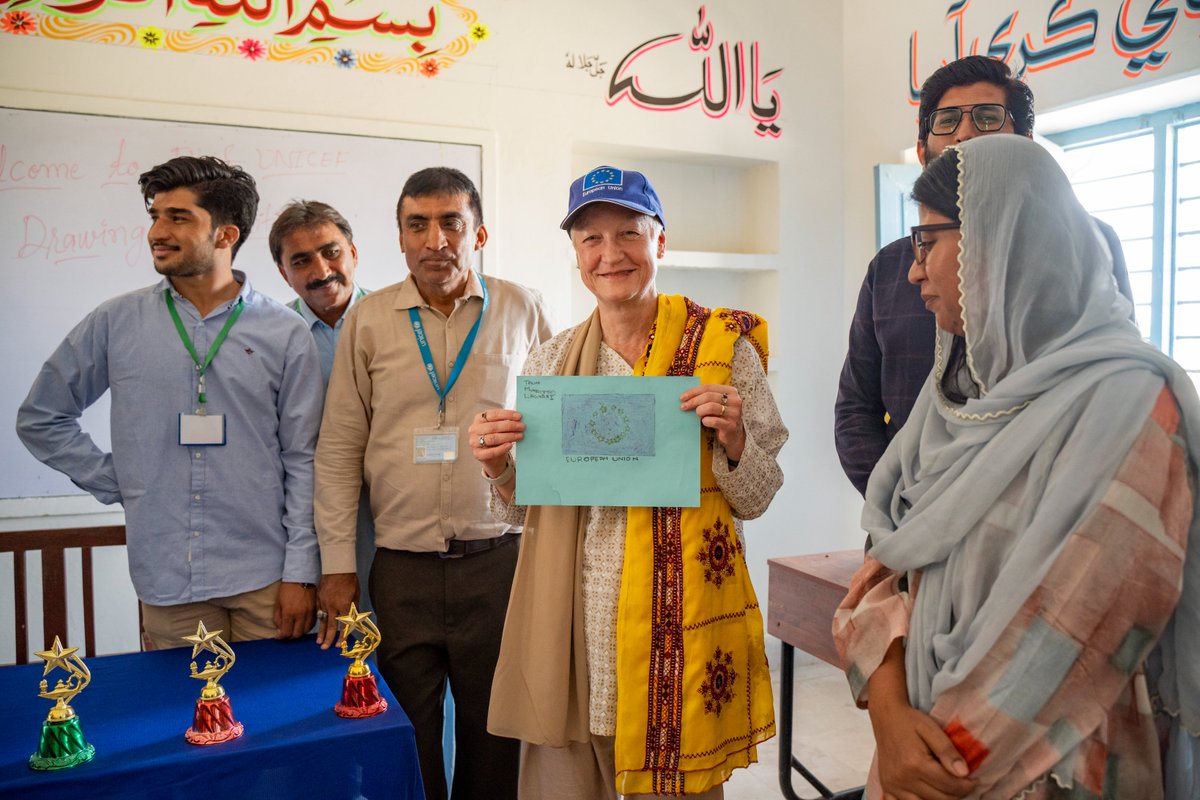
[201,366]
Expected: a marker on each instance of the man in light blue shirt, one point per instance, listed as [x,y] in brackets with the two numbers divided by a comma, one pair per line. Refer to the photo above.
[215,410]
[312,245]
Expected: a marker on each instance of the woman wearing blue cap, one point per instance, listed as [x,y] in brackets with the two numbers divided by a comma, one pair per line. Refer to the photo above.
[632,658]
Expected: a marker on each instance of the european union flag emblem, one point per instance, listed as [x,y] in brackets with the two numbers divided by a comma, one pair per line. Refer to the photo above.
[602,176]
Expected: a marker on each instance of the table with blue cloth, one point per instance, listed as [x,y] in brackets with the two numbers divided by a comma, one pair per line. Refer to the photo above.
[138,706]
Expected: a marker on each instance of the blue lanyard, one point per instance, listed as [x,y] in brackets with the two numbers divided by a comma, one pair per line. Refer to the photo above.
[464,352]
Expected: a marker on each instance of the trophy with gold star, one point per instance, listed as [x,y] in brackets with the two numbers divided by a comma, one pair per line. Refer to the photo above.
[213,721]
[62,744]
[360,693]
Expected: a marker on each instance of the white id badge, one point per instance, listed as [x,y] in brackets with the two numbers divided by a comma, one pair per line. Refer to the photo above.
[435,445]
[202,429]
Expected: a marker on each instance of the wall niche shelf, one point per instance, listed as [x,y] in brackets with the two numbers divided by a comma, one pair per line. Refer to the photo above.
[700,259]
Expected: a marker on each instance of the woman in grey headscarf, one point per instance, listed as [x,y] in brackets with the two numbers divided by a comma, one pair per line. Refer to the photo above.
[1027,622]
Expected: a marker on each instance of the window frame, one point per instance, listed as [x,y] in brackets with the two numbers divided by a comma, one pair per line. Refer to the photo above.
[1163,125]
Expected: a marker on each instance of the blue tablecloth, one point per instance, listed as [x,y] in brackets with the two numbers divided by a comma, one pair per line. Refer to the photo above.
[138,706]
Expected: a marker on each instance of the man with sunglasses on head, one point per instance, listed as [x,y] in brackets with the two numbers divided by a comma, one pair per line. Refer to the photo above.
[891,337]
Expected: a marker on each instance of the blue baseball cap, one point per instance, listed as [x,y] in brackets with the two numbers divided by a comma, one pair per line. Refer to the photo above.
[611,185]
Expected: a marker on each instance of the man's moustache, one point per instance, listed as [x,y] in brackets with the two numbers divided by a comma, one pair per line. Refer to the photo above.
[333,277]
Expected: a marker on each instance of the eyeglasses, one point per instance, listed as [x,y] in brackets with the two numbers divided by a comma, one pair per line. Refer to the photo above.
[987,117]
[921,248]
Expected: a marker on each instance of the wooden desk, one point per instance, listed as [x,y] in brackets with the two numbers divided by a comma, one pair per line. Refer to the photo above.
[803,592]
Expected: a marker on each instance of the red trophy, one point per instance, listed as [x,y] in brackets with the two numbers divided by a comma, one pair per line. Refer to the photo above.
[360,694]
[213,722]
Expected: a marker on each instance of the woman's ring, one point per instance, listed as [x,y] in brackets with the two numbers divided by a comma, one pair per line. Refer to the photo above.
[722,410]
[724,400]
[481,443]
[321,615]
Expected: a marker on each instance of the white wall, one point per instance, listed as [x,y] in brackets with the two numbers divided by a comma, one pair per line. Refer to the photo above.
[535,116]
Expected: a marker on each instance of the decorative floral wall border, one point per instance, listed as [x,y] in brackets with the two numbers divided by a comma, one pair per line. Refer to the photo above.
[19,22]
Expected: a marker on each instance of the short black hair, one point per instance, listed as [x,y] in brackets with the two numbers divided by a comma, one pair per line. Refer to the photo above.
[225,191]
[974,69]
[936,187]
[304,214]
[440,181]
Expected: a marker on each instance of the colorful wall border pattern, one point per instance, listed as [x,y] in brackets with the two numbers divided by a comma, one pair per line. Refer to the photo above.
[17,20]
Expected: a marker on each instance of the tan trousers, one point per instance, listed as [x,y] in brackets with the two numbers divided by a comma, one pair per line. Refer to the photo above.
[579,771]
[240,617]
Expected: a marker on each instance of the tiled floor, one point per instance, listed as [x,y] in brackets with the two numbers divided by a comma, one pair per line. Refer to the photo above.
[832,738]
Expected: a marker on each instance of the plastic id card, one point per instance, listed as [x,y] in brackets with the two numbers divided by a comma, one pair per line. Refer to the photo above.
[435,445]
[206,430]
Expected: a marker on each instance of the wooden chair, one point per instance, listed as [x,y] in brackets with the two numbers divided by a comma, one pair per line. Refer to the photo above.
[52,544]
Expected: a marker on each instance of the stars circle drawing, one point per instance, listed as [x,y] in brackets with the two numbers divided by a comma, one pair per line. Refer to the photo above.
[609,424]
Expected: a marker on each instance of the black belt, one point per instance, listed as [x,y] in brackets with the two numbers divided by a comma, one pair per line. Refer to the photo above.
[457,548]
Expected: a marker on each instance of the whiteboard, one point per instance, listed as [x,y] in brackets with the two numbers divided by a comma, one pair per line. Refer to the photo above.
[73,228]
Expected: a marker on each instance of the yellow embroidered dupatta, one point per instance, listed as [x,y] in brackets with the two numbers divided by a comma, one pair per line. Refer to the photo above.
[688,618]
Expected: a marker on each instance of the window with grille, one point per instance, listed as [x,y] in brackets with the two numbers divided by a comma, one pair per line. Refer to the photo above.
[1142,177]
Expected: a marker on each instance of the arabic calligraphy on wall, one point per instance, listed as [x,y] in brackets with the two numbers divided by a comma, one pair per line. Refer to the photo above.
[351,34]
[1143,33]
[591,64]
[731,77]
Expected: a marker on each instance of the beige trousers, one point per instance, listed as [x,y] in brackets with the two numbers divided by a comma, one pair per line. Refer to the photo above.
[240,617]
[579,771]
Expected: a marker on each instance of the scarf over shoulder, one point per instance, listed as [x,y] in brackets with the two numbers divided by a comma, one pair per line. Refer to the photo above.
[981,497]
[693,688]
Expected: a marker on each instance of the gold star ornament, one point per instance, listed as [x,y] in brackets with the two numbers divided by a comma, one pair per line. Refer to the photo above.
[56,656]
[353,619]
[202,639]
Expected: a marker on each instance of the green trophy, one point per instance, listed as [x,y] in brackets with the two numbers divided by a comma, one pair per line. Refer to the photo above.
[62,744]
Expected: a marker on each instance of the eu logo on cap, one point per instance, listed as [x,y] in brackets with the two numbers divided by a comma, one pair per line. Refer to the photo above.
[605,184]
[602,176]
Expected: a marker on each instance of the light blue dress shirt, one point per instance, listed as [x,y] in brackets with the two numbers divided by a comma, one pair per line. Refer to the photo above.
[325,336]
[201,522]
